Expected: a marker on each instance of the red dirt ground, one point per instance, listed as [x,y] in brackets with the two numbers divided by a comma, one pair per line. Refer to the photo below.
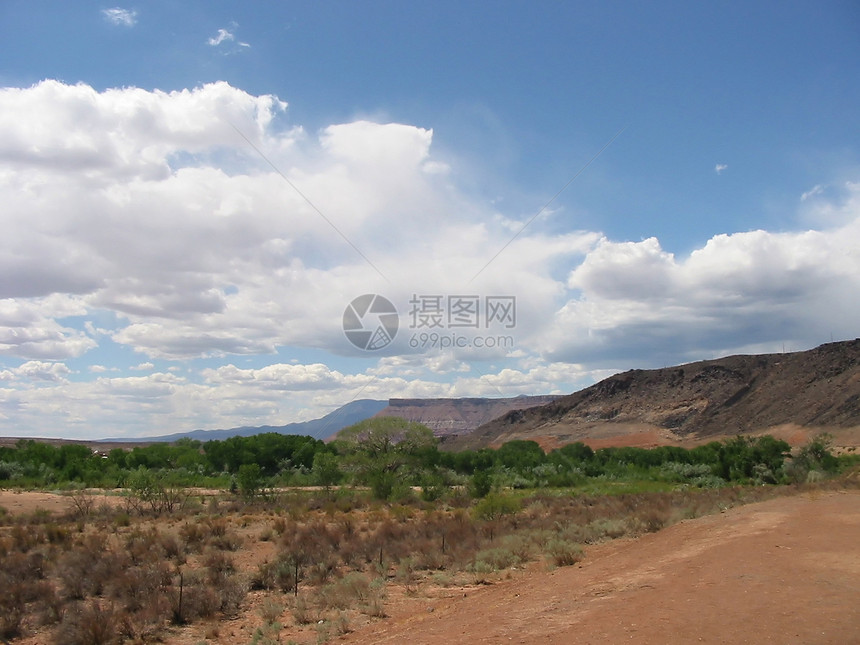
[782,571]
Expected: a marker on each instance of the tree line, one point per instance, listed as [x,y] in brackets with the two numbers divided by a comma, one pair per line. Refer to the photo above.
[392,456]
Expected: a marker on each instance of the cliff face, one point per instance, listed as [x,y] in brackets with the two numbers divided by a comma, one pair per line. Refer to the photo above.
[448,417]
[815,389]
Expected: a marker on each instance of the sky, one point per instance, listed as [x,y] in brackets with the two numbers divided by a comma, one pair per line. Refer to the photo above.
[216,214]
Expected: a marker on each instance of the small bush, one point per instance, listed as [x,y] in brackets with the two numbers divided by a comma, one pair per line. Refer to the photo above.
[304,613]
[12,608]
[90,624]
[563,553]
[270,610]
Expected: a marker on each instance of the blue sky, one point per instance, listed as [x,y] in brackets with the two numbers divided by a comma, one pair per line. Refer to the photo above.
[194,192]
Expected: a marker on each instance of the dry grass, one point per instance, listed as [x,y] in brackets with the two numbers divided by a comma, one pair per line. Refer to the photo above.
[124,577]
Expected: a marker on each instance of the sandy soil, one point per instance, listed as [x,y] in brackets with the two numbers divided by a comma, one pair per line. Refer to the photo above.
[24,503]
[781,571]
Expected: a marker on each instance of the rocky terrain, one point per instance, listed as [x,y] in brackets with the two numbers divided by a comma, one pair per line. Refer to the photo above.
[788,395]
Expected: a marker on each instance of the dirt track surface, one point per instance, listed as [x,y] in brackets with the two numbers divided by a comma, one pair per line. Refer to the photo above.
[782,571]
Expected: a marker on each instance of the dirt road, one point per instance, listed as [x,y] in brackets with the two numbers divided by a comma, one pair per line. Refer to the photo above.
[782,571]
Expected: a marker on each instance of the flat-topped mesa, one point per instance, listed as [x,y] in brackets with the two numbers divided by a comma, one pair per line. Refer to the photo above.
[450,416]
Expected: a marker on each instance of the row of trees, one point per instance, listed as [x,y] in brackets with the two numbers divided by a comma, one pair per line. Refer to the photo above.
[391,455]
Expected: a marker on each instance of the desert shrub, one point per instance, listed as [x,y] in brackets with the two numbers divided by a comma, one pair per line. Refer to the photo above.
[279,525]
[218,564]
[89,624]
[340,623]
[231,591]
[321,569]
[55,534]
[149,492]
[347,592]
[679,471]
[268,634]
[303,611]
[607,528]
[194,535]
[481,571]
[143,545]
[430,557]
[520,545]
[191,597]
[653,519]
[815,456]
[279,575]
[26,538]
[22,567]
[406,575]
[12,608]
[374,604]
[230,541]
[84,503]
[49,605]
[139,586]
[88,567]
[563,553]
[270,610]
[493,508]
[496,558]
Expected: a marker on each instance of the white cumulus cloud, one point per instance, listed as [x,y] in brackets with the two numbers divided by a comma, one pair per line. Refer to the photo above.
[144,221]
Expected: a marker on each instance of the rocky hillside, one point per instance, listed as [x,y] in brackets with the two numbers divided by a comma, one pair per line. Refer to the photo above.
[448,417]
[817,389]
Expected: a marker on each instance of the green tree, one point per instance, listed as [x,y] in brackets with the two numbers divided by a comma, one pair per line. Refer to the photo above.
[481,483]
[387,452]
[815,456]
[520,455]
[326,469]
[250,480]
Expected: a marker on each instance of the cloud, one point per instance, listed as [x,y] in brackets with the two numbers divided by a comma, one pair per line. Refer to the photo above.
[745,290]
[720,167]
[31,328]
[139,221]
[222,36]
[812,192]
[120,17]
[37,371]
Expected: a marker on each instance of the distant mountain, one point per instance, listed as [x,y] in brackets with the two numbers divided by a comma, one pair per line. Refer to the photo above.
[788,395]
[446,417]
[344,416]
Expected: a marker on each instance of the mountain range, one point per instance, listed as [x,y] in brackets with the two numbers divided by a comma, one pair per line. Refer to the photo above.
[789,395]
[321,428]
